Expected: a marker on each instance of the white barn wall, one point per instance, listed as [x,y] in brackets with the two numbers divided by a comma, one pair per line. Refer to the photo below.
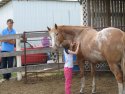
[37,15]
[5,13]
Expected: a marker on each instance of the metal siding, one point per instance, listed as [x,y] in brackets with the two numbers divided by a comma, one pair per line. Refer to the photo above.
[37,15]
[6,12]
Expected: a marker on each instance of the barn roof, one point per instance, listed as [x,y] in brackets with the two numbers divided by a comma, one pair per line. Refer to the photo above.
[3,2]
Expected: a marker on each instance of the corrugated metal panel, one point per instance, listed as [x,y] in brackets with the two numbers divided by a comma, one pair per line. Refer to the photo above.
[6,12]
[3,2]
[36,15]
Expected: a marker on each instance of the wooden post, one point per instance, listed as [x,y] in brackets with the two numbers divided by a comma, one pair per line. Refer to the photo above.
[108,13]
[89,12]
[81,13]
[18,48]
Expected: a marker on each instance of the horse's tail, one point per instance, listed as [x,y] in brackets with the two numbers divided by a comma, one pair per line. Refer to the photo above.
[123,62]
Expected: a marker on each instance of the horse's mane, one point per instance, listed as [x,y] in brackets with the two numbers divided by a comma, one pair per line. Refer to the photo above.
[72,29]
[71,26]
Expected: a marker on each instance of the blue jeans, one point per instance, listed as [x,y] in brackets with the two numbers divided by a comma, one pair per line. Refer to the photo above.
[7,62]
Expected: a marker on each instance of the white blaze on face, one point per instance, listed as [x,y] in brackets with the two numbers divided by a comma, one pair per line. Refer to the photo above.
[53,39]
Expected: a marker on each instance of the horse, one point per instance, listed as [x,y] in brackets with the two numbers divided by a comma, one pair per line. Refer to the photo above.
[106,45]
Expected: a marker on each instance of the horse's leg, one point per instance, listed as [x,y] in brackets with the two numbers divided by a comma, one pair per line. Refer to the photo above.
[81,66]
[118,75]
[93,73]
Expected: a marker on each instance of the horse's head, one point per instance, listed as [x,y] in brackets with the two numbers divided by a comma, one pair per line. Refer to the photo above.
[56,36]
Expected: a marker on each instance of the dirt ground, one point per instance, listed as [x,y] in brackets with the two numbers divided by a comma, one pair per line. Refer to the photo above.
[106,84]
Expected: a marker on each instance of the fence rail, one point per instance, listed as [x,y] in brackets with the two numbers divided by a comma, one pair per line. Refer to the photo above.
[33,51]
[28,35]
[20,52]
[41,67]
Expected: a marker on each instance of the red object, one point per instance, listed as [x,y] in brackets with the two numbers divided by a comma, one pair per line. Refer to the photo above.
[33,58]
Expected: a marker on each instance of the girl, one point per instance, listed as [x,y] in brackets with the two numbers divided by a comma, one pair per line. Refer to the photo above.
[68,64]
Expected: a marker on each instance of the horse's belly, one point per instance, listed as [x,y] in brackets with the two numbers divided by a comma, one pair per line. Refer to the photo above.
[95,56]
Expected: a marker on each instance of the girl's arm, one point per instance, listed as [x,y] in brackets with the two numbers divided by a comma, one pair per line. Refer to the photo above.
[74,52]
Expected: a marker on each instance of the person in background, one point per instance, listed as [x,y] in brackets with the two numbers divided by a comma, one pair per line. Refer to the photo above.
[7,46]
[68,63]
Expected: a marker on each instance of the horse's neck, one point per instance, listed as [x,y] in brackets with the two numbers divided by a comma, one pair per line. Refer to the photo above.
[70,33]
[73,33]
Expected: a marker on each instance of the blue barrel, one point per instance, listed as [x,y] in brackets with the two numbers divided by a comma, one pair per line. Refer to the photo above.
[76,68]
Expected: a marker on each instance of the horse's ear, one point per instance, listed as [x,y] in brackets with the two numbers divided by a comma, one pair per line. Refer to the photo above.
[56,26]
[48,28]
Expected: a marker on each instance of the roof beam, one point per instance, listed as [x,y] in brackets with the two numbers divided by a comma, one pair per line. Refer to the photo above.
[3,2]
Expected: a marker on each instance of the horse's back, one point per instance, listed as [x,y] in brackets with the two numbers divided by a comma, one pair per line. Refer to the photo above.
[111,41]
[110,35]
[103,45]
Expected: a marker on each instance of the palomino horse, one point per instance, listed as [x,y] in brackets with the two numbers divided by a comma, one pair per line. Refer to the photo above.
[106,45]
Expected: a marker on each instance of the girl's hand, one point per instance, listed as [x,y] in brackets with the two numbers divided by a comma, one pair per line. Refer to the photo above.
[74,43]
